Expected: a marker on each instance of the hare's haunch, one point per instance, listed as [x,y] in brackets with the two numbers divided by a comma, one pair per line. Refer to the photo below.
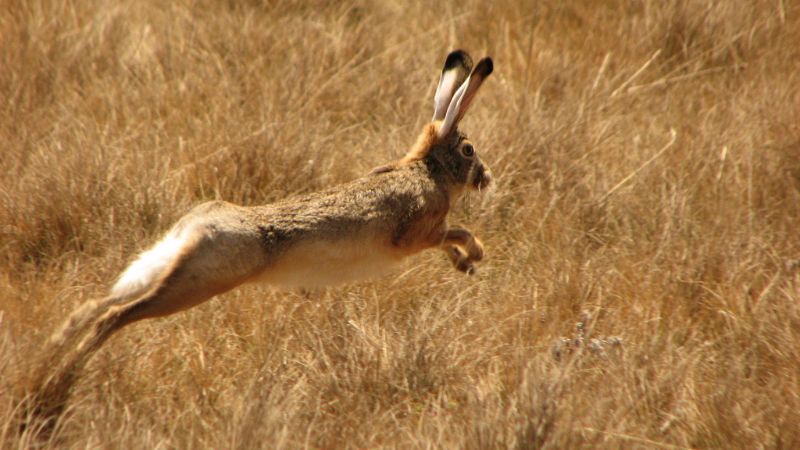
[349,232]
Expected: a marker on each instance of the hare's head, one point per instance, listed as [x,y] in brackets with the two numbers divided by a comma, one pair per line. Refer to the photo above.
[441,143]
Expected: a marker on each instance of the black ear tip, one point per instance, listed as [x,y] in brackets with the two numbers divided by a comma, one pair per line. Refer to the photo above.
[457,58]
[485,67]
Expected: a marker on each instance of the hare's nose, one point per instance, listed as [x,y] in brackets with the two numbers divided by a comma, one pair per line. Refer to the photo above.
[487,177]
[483,177]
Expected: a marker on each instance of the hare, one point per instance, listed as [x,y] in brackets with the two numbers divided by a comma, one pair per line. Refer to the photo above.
[349,232]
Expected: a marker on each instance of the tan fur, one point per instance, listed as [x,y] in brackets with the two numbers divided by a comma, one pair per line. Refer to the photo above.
[353,231]
[424,144]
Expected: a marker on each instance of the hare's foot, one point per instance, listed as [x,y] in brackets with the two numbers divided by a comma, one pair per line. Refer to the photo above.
[459,258]
[465,239]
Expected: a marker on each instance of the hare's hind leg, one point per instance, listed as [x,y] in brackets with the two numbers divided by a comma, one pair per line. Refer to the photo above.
[58,366]
[53,385]
[179,291]
[199,272]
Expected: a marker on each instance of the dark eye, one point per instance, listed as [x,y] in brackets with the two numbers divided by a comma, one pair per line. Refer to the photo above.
[467,150]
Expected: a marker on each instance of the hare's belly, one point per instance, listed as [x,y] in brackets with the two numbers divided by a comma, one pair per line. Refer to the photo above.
[319,264]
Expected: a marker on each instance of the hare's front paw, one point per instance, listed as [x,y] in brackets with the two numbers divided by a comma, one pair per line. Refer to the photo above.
[466,266]
[475,250]
[461,261]
[465,239]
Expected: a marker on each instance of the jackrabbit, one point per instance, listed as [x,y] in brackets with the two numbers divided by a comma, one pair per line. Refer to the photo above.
[348,232]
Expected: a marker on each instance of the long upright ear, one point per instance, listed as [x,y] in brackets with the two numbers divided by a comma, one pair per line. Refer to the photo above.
[456,68]
[464,96]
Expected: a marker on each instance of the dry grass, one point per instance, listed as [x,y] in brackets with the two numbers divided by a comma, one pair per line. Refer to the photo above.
[118,116]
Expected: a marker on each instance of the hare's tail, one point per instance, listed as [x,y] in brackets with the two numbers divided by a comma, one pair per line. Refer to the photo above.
[68,349]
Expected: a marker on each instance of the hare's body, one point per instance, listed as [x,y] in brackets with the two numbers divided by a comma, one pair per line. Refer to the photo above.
[346,233]
[350,232]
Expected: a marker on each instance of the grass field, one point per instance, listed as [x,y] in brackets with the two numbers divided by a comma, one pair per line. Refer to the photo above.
[647,203]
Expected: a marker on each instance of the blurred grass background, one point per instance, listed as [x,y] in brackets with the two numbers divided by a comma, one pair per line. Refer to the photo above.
[119,115]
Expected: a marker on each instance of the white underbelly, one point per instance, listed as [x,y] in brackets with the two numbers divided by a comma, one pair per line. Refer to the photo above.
[320,264]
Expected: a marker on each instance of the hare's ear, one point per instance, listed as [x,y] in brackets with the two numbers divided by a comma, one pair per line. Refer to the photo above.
[456,68]
[464,96]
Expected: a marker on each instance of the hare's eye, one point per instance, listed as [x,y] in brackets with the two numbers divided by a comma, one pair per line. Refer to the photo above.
[468,150]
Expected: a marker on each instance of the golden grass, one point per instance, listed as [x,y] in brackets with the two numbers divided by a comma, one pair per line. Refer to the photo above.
[117,116]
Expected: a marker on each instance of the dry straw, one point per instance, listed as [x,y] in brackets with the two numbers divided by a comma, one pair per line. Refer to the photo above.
[119,116]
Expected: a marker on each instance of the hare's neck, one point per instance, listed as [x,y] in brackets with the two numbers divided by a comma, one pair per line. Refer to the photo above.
[443,176]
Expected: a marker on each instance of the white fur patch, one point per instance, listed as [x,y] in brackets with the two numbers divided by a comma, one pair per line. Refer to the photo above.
[150,265]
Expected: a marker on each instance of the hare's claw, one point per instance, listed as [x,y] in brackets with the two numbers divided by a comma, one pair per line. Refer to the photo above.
[465,265]
[468,268]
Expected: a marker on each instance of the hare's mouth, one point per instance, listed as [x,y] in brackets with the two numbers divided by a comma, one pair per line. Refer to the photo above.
[482,178]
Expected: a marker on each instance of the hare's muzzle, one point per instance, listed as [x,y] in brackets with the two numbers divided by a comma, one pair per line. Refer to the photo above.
[483,176]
